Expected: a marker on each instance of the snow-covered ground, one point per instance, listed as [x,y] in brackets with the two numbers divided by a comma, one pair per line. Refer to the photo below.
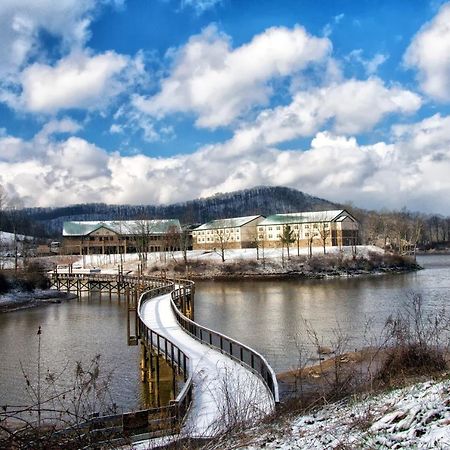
[131,261]
[8,238]
[415,417]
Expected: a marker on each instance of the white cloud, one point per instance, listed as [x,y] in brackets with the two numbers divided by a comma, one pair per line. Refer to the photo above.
[22,20]
[429,53]
[351,106]
[76,81]
[200,6]
[218,83]
[411,170]
[370,65]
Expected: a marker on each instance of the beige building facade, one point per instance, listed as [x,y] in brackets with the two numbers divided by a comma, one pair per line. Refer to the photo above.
[310,229]
[237,232]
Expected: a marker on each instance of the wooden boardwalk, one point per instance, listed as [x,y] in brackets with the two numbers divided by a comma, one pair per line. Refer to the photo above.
[225,382]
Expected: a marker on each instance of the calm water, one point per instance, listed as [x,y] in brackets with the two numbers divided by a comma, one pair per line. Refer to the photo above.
[76,330]
[270,315]
[265,315]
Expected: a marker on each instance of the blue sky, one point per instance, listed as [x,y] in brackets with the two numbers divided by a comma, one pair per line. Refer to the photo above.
[160,101]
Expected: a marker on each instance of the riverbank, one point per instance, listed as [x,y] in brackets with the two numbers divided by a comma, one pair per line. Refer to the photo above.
[220,275]
[412,417]
[259,264]
[16,300]
[318,266]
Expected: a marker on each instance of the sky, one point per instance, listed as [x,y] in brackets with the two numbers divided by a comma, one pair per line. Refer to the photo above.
[163,101]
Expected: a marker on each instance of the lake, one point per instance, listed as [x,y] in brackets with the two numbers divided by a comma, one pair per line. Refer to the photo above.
[269,316]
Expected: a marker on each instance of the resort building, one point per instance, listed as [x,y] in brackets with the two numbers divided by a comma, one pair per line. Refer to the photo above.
[237,232]
[309,229]
[121,236]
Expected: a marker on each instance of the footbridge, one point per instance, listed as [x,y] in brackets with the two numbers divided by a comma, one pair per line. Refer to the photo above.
[217,382]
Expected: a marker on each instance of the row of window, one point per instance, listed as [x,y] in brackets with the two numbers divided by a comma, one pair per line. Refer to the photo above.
[226,231]
[294,227]
[212,239]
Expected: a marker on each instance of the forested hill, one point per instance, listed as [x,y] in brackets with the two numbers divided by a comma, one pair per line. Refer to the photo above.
[259,200]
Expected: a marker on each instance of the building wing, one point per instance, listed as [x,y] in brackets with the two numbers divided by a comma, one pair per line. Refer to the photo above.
[234,222]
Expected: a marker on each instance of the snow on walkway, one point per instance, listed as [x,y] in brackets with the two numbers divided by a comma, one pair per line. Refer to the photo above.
[224,390]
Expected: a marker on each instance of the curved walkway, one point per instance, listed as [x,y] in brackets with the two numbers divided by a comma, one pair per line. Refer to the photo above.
[225,392]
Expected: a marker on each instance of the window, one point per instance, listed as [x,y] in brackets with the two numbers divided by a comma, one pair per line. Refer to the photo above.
[306,226]
[315,225]
[270,228]
[270,236]
[260,229]
[307,234]
[278,228]
[326,225]
[260,236]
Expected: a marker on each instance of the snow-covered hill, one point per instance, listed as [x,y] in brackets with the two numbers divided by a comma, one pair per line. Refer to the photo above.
[415,417]
[259,200]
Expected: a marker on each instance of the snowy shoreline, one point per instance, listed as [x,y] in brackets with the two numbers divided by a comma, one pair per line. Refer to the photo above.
[412,417]
[16,300]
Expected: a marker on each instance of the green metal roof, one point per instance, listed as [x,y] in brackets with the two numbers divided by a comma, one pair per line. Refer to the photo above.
[306,217]
[234,222]
[122,227]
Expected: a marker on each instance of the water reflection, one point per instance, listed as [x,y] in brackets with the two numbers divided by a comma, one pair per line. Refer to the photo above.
[72,331]
[266,315]
[271,315]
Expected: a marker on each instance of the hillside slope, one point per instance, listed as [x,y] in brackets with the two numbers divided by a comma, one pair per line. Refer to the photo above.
[260,200]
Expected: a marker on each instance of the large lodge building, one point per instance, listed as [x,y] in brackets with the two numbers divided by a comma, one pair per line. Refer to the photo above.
[124,236]
[307,229]
[337,228]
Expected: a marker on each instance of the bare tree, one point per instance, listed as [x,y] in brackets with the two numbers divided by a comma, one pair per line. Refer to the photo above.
[142,231]
[171,239]
[184,241]
[287,237]
[222,237]
[324,232]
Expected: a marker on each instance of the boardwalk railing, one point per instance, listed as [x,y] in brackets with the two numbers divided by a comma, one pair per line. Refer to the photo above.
[147,423]
[236,350]
[157,421]
[172,353]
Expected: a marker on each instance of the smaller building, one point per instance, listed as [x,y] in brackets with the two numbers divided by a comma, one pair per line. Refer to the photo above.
[310,229]
[237,232]
[121,236]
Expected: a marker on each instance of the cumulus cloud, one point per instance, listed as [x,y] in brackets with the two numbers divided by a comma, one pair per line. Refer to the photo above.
[218,83]
[351,106]
[429,53]
[414,164]
[21,21]
[45,171]
[79,80]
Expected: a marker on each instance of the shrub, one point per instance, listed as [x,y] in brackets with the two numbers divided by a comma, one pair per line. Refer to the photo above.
[418,342]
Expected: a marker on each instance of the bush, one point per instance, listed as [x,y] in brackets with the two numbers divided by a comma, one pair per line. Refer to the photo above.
[418,342]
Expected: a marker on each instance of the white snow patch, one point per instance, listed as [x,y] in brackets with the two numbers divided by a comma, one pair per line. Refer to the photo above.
[416,417]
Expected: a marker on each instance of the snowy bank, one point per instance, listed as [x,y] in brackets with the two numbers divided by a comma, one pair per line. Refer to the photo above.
[267,263]
[415,417]
[16,300]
